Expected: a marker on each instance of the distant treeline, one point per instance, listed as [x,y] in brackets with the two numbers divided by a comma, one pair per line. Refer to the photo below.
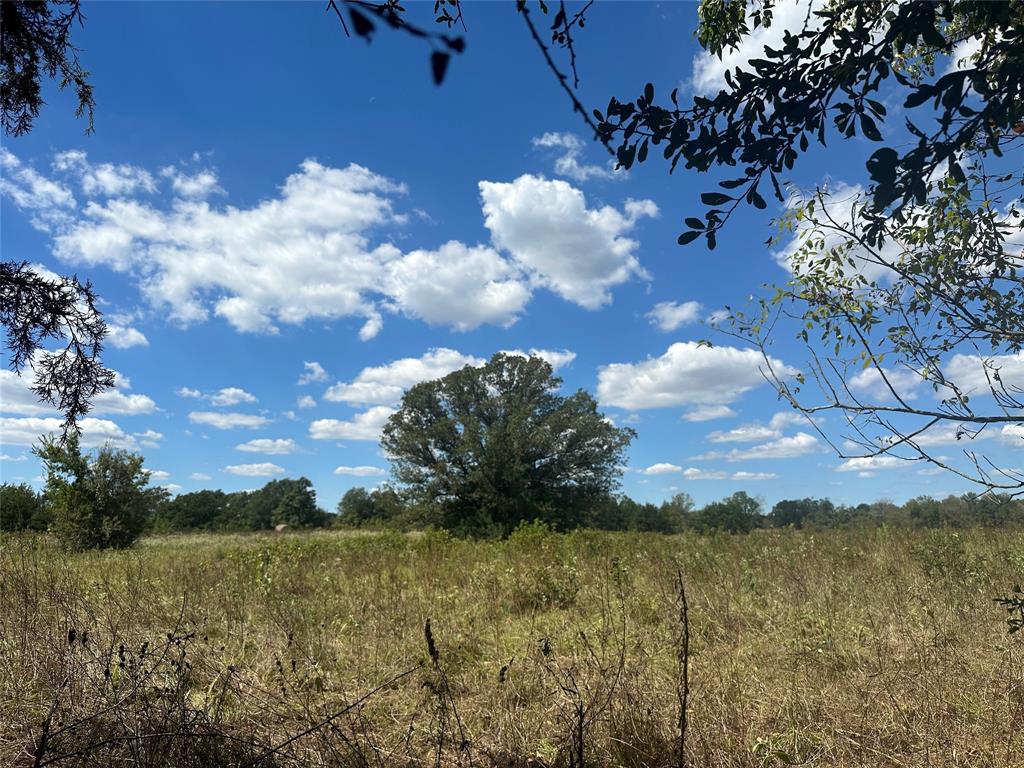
[738,513]
[292,503]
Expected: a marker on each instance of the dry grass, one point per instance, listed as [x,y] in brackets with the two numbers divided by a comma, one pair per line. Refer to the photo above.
[872,648]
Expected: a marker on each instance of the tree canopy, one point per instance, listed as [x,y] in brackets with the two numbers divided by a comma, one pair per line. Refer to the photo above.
[22,508]
[36,308]
[37,41]
[103,500]
[36,44]
[289,501]
[494,446]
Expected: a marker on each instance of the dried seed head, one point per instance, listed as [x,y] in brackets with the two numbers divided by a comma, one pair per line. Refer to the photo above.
[431,648]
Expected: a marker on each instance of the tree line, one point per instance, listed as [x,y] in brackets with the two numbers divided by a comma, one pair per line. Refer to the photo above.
[385,508]
[478,452]
[99,512]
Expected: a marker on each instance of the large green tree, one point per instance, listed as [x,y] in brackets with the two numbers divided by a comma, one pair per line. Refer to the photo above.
[102,500]
[496,445]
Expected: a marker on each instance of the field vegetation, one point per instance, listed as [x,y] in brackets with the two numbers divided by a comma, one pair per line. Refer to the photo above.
[866,646]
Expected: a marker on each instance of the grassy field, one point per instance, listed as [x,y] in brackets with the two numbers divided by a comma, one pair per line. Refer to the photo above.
[866,648]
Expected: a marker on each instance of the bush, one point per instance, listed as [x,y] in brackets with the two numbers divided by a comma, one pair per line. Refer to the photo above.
[97,503]
[21,508]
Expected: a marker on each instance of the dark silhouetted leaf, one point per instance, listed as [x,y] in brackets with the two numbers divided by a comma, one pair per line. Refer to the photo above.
[869,129]
[882,165]
[439,65]
[361,24]
[457,44]
[714,198]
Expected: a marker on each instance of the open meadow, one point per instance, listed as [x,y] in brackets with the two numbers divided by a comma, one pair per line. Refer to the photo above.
[876,647]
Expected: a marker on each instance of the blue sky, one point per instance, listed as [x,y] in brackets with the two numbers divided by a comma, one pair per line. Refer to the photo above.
[287,227]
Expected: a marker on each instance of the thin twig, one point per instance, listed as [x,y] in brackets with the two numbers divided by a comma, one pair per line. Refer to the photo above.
[683,689]
[563,79]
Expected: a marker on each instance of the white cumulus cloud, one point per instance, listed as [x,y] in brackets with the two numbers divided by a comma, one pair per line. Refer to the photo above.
[754,476]
[228,420]
[973,373]
[569,160]
[319,248]
[662,468]
[668,315]
[198,185]
[221,398]
[385,384]
[578,252]
[1012,435]
[269,446]
[687,374]
[109,179]
[872,463]
[360,471]
[745,433]
[556,358]
[363,426]
[231,396]
[16,396]
[708,413]
[32,191]
[265,469]
[149,439]
[871,383]
[124,337]
[312,372]
[791,447]
[693,473]
[458,286]
[94,432]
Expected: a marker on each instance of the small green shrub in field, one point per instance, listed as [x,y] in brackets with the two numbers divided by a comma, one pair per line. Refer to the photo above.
[943,554]
[550,579]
